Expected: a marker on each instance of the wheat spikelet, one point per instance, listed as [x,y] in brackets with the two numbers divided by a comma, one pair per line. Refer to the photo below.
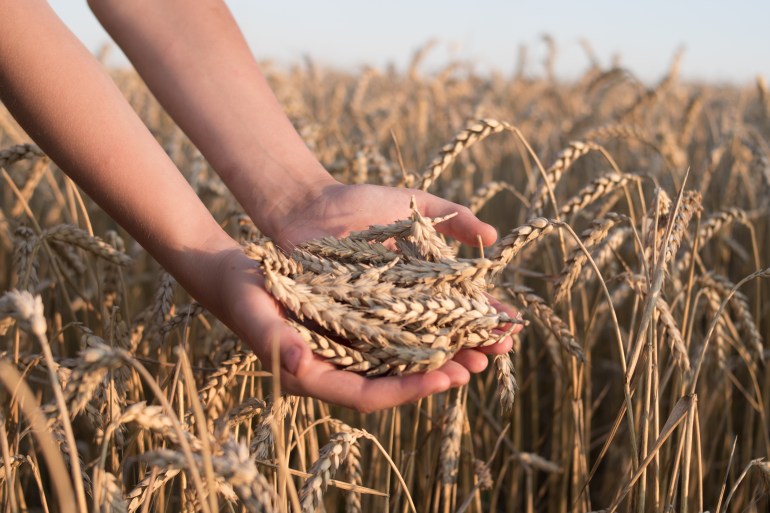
[56,428]
[68,234]
[486,192]
[217,382]
[678,348]
[537,462]
[740,308]
[413,70]
[267,252]
[263,442]
[691,204]
[331,456]
[163,300]
[29,187]
[246,229]
[510,245]
[112,290]
[69,259]
[709,228]
[145,488]
[651,95]
[168,460]
[346,357]
[19,152]
[24,263]
[473,133]
[564,160]
[506,381]
[347,250]
[423,235]
[451,436]
[182,316]
[619,131]
[717,220]
[351,324]
[15,462]
[690,117]
[595,190]
[591,238]
[417,309]
[399,229]
[235,468]
[353,473]
[361,86]
[467,275]
[606,250]
[546,316]
[370,163]
[111,495]
[26,309]
[151,417]
[713,301]
[243,412]
[89,374]
[109,399]
[608,77]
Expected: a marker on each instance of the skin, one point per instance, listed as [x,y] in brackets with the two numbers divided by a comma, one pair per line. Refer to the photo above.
[196,62]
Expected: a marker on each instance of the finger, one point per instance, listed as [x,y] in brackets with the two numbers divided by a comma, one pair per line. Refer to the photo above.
[265,327]
[458,374]
[472,360]
[293,352]
[465,226]
[323,381]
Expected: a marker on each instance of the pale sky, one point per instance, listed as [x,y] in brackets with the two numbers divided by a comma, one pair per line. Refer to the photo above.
[724,41]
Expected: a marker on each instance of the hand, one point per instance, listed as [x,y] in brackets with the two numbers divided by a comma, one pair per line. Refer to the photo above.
[338,210]
[256,317]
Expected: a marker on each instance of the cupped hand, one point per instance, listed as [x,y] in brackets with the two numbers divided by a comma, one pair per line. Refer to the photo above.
[338,210]
[257,318]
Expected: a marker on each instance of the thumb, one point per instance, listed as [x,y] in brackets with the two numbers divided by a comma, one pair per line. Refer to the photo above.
[293,352]
[465,226]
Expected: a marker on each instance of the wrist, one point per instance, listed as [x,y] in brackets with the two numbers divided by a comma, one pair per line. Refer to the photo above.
[197,265]
[277,191]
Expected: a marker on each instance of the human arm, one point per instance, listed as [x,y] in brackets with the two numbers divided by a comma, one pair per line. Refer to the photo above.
[195,60]
[69,105]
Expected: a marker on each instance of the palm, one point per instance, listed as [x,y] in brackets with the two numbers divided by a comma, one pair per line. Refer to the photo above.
[338,210]
[342,209]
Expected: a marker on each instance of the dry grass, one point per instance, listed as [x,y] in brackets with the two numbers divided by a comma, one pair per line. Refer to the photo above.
[640,384]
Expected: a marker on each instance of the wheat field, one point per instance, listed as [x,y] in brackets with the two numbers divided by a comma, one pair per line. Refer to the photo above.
[634,239]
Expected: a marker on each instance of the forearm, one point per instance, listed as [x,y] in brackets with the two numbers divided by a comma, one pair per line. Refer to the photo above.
[70,107]
[194,59]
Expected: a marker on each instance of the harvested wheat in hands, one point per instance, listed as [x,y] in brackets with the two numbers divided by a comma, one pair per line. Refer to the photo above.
[385,310]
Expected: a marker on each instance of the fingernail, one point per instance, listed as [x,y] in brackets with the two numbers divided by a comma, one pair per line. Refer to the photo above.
[290,360]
